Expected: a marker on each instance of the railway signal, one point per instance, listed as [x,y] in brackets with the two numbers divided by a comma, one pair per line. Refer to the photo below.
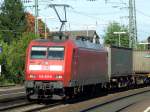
[1,49]
[0,65]
[149,42]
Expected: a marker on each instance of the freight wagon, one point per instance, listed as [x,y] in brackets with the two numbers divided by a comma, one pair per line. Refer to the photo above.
[120,68]
[141,62]
[141,65]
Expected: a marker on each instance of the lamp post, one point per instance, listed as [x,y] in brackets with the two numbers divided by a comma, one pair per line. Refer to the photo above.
[119,33]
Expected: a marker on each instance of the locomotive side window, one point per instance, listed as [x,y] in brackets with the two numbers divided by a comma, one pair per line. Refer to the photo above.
[38,52]
[56,52]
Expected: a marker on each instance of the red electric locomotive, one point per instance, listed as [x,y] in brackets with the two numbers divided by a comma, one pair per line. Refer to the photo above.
[55,69]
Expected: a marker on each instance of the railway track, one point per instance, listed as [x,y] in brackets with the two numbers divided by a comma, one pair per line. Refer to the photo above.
[118,104]
[43,107]
[11,103]
[115,102]
[82,104]
[22,105]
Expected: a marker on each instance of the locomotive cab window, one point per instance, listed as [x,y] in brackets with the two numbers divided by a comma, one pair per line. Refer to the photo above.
[56,53]
[38,52]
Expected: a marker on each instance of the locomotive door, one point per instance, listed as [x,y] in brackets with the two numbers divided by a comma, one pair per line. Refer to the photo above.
[75,67]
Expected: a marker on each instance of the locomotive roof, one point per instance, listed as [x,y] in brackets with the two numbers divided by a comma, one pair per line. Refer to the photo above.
[78,43]
[42,40]
[87,44]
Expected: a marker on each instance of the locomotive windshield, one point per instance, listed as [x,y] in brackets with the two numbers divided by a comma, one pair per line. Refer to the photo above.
[38,52]
[56,52]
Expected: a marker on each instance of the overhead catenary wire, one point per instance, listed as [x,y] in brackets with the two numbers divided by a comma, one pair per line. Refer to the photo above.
[106,13]
[93,15]
[89,15]
[97,16]
[142,13]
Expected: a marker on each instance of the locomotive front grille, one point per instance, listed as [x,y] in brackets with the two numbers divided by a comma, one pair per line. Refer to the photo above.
[44,84]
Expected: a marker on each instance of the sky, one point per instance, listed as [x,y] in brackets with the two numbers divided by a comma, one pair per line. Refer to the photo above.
[93,14]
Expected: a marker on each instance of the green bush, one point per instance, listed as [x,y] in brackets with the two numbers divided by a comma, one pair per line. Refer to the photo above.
[12,58]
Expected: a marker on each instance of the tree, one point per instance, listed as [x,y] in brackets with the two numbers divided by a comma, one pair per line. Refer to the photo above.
[113,39]
[30,25]
[30,22]
[12,20]
[13,56]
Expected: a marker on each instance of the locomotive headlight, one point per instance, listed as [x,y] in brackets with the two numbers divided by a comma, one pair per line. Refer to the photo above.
[58,77]
[32,76]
